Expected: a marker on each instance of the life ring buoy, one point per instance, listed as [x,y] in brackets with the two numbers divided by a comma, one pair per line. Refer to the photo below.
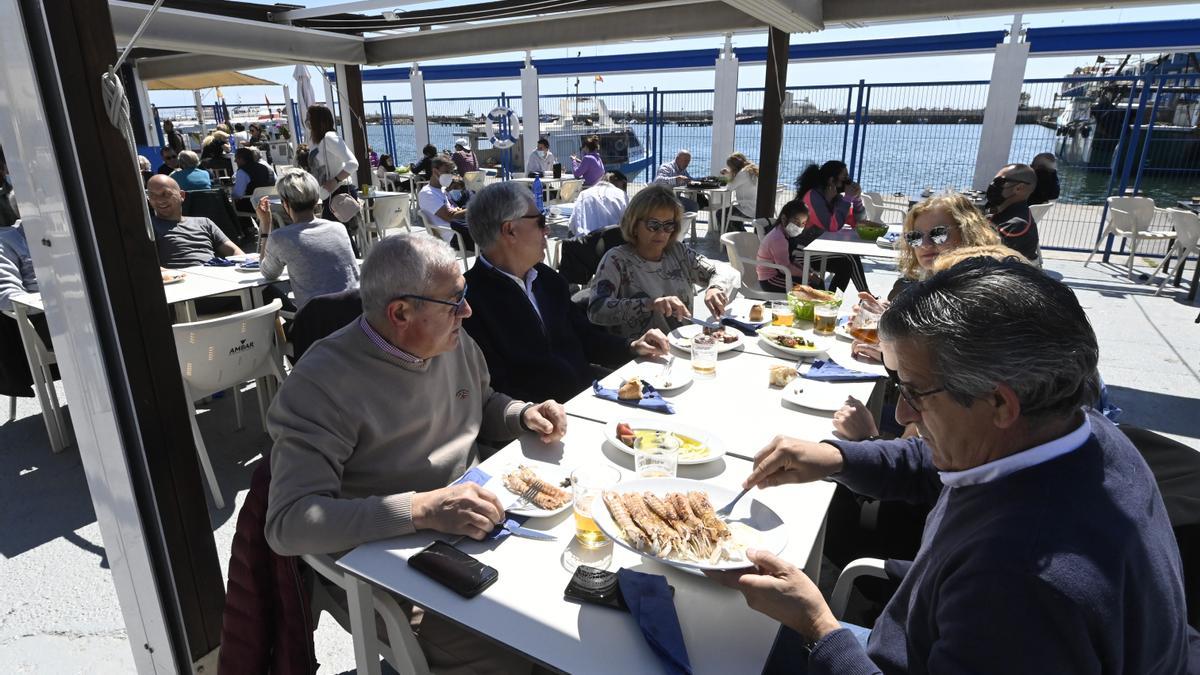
[502,127]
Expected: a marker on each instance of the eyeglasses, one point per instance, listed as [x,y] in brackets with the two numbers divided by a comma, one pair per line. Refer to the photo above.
[910,396]
[541,219]
[457,305]
[1001,181]
[668,226]
[937,236]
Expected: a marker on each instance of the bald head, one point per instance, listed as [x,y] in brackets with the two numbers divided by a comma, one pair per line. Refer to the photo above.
[165,197]
[1016,183]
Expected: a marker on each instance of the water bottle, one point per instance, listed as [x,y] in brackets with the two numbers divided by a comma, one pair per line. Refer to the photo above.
[537,194]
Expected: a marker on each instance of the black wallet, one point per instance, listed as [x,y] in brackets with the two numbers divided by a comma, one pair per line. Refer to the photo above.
[454,569]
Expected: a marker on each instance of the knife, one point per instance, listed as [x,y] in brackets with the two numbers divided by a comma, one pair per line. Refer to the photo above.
[706,324]
[518,530]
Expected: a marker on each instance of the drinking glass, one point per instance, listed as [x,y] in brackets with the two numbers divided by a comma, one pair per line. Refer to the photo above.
[864,327]
[588,483]
[824,319]
[783,313]
[704,355]
[656,455]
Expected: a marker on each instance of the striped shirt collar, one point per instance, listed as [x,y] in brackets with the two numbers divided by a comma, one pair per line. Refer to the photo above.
[381,342]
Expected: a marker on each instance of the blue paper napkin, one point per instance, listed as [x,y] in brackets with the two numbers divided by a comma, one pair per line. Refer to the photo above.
[480,477]
[828,371]
[651,399]
[219,262]
[650,602]
[747,327]
[250,265]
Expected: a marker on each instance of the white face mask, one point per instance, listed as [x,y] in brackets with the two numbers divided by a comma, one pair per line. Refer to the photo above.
[542,153]
[445,180]
[792,230]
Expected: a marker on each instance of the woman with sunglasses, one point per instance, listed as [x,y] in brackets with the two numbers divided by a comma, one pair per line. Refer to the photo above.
[649,282]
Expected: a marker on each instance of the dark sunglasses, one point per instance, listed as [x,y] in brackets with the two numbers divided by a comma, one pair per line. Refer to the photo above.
[937,236]
[911,396]
[668,226]
[457,304]
[540,217]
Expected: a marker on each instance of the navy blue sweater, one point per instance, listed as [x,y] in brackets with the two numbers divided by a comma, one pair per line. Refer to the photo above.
[532,358]
[1069,566]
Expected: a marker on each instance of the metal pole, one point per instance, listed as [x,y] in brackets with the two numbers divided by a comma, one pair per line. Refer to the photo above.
[857,123]
[1128,155]
[158,128]
[862,153]
[846,121]
[654,131]
[1137,183]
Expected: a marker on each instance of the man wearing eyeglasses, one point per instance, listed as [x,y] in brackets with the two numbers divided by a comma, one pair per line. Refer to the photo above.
[1048,549]
[170,161]
[537,342]
[378,420]
[1008,204]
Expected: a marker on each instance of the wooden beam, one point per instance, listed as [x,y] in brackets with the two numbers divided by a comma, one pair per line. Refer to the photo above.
[357,135]
[772,124]
[122,266]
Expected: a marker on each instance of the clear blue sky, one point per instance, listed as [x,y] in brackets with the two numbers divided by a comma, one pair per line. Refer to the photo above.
[963,67]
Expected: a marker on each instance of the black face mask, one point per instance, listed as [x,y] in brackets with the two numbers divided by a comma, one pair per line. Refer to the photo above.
[995,195]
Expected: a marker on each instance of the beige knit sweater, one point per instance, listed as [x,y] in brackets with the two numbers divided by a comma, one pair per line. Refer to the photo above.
[357,431]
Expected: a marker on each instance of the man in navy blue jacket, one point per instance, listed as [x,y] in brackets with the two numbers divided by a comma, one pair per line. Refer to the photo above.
[536,341]
[1048,549]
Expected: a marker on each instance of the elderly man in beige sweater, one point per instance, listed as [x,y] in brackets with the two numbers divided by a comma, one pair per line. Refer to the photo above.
[379,418]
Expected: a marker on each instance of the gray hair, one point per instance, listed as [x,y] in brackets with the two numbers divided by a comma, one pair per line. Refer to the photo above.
[493,206]
[298,188]
[986,322]
[188,160]
[403,264]
[683,151]
[143,163]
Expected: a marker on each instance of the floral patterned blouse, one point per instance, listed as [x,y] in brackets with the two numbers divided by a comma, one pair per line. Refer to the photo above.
[626,286]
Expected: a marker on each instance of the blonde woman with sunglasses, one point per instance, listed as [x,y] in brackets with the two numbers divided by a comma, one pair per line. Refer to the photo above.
[650,281]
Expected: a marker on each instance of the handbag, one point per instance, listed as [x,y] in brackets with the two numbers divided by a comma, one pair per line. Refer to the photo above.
[342,202]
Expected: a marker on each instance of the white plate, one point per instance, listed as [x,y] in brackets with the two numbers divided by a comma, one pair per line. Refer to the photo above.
[822,343]
[715,447]
[175,279]
[681,338]
[815,395]
[743,314]
[651,372]
[548,472]
[248,270]
[885,242]
[753,522]
[842,329]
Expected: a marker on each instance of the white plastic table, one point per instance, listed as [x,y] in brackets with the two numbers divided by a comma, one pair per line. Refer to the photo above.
[525,609]
[845,242]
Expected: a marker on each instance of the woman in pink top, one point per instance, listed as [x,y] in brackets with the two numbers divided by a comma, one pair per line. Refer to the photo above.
[590,168]
[784,245]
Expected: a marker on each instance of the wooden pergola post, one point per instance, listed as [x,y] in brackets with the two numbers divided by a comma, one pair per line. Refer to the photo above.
[772,125]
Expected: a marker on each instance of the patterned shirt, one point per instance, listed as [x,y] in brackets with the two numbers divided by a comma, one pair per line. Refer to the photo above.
[382,342]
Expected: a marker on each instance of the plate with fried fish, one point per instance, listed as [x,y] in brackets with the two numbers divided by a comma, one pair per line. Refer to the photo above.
[554,489]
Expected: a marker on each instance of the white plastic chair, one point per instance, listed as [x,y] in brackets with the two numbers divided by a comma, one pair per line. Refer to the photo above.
[742,248]
[445,234]
[876,211]
[857,569]
[1187,241]
[257,194]
[402,653]
[220,354]
[1131,218]
[474,181]
[386,213]
[720,205]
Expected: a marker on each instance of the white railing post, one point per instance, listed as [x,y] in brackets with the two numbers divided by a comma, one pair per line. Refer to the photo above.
[1000,116]
[530,127]
[416,84]
[724,107]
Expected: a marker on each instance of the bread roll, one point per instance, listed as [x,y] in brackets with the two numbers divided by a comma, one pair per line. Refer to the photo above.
[756,312]
[631,390]
[781,375]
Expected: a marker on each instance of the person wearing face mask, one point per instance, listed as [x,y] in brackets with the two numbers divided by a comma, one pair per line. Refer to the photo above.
[541,161]
[834,201]
[1045,165]
[1008,206]
[784,245]
[316,252]
[434,202]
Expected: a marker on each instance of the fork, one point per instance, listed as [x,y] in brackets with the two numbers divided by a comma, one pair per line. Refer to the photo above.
[662,374]
[724,512]
[527,496]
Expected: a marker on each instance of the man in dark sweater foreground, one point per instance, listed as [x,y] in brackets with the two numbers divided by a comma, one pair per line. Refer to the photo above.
[1048,549]
[538,344]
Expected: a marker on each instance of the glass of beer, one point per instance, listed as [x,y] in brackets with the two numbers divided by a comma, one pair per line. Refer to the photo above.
[588,483]
[656,455]
[704,355]
[824,319]
[783,313]
[864,327]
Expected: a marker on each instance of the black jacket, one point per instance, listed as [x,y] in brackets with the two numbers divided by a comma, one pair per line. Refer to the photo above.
[536,359]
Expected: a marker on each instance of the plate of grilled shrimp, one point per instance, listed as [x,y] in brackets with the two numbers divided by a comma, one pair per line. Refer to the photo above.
[674,521]
[553,489]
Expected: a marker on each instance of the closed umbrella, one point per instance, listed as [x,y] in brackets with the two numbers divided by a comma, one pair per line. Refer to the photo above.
[304,97]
